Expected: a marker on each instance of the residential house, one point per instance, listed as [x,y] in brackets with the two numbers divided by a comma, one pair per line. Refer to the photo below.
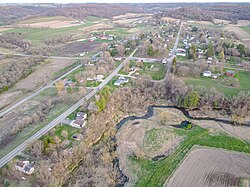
[207,74]
[25,167]
[103,37]
[99,78]
[181,54]
[80,120]
[209,60]
[164,61]
[120,81]
[118,59]
[230,73]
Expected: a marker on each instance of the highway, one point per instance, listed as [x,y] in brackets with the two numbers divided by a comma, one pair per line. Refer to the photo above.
[57,120]
[8,109]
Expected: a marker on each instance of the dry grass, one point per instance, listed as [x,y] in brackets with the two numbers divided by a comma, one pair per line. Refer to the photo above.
[42,74]
[238,31]
[56,24]
[126,21]
[5,28]
[129,15]
[100,26]
[168,19]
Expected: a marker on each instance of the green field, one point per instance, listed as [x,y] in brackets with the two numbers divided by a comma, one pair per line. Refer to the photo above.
[155,173]
[243,77]
[246,28]
[38,35]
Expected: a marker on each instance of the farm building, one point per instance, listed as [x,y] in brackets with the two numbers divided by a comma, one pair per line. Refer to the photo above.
[230,73]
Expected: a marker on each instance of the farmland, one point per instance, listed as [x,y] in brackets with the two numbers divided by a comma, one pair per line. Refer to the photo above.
[246,28]
[155,173]
[157,136]
[205,167]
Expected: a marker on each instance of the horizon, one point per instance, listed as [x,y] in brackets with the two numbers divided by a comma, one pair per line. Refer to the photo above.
[115,1]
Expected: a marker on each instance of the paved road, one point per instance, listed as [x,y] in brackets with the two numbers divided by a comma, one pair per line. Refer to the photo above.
[8,109]
[173,52]
[57,120]
[146,59]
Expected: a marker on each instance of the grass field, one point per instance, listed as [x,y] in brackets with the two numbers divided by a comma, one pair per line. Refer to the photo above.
[246,28]
[243,77]
[38,35]
[155,173]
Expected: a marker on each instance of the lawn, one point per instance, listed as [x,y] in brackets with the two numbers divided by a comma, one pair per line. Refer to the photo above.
[92,84]
[71,131]
[155,173]
[243,77]
[156,73]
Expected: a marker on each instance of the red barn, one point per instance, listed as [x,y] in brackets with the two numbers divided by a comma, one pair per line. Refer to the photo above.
[230,73]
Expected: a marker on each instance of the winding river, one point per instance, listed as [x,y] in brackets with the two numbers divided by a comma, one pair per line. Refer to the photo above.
[150,112]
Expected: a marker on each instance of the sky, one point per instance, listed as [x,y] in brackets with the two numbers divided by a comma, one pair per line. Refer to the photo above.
[114,1]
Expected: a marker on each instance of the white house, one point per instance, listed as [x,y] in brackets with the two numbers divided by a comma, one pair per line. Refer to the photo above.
[181,54]
[164,61]
[181,50]
[120,81]
[80,120]
[207,74]
[99,78]
[25,167]
[78,123]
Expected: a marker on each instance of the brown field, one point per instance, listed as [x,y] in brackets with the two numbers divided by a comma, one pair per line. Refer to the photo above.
[44,19]
[204,22]
[222,21]
[56,24]
[76,48]
[42,74]
[238,31]
[130,15]
[100,26]
[5,28]
[126,21]
[207,167]
[168,19]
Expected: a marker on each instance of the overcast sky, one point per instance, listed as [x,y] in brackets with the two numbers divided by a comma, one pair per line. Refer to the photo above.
[113,1]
